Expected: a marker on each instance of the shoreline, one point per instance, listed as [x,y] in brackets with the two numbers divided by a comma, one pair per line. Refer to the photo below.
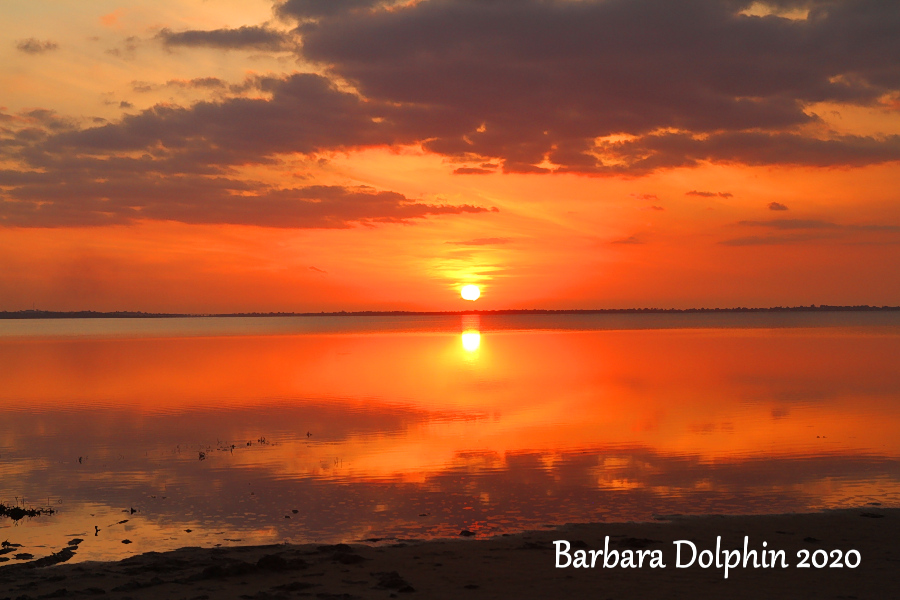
[128,314]
[513,565]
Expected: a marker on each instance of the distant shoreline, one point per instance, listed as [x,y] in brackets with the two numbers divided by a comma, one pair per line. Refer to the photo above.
[90,314]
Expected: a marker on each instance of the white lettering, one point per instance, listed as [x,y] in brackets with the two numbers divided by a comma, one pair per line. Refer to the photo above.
[678,544]
[565,552]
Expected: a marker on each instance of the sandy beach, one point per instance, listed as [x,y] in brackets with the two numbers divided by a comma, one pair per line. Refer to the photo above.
[512,566]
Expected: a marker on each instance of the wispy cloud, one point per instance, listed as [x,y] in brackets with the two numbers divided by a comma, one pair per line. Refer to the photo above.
[241,38]
[632,239]
[705,194]
[36,46]
[792,231]
[777,206]
[491,241]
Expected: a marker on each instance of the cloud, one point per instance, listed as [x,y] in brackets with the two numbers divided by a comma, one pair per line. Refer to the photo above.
[645,196]
[792,224]
[535,80]
[36,201]
[35,46]
[704,194]
[481,242]
[632,239]
[472,171]
[596,88]
[202,83]
[242,38]
[791,231]
[318,270]
[655,207]
[777,206]
[312,9]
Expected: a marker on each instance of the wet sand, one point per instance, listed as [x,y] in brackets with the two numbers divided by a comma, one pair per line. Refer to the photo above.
[515,566]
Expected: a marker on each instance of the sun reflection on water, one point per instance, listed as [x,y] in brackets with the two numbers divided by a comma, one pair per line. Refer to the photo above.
[471,332]
[471,340]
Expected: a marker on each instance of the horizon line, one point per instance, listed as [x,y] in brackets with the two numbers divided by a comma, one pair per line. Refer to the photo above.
[32,313]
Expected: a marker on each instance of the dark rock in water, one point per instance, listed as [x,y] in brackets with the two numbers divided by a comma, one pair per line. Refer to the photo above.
[23,556]
[466,533]
[17,513]
[56,558]
[126,541]
[75,542]
[871,515]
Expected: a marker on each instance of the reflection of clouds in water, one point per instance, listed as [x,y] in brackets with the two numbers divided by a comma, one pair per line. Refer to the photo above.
[543,427]
[249,499]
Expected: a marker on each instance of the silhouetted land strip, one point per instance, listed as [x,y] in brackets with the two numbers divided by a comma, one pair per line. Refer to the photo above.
[90,314]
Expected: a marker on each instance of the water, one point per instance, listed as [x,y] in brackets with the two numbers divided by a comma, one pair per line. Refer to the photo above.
[177,432]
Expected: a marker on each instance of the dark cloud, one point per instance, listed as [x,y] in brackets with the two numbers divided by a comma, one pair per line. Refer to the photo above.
[645,196]
[242,38]
[36,202]
[472,171]
[481,242]
[704,194]
[35,46]
[655,207]
[318,270]
[315,9]
[613,87]
[540,79]
[777,206]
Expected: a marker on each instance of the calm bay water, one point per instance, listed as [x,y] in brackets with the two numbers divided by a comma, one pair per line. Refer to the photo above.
[177,432]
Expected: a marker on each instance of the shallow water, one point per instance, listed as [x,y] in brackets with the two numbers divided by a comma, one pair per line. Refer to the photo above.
[346,428]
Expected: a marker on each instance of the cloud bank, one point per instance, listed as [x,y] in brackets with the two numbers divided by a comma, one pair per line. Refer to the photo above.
[597,88]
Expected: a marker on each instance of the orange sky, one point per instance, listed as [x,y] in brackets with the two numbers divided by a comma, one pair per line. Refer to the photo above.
[181,155]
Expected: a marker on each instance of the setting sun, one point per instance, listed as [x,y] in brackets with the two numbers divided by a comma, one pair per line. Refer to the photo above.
[470,292]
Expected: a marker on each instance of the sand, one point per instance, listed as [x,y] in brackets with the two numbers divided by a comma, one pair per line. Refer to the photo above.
[514,566]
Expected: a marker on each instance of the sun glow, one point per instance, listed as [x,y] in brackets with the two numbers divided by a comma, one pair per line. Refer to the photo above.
[470,292]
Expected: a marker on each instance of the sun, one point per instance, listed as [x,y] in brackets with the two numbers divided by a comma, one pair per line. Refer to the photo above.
[470,292]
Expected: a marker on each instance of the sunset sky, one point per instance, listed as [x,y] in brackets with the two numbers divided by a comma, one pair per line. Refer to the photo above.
[310,155]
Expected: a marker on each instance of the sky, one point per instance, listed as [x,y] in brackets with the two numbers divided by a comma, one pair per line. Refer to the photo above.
[323,155]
